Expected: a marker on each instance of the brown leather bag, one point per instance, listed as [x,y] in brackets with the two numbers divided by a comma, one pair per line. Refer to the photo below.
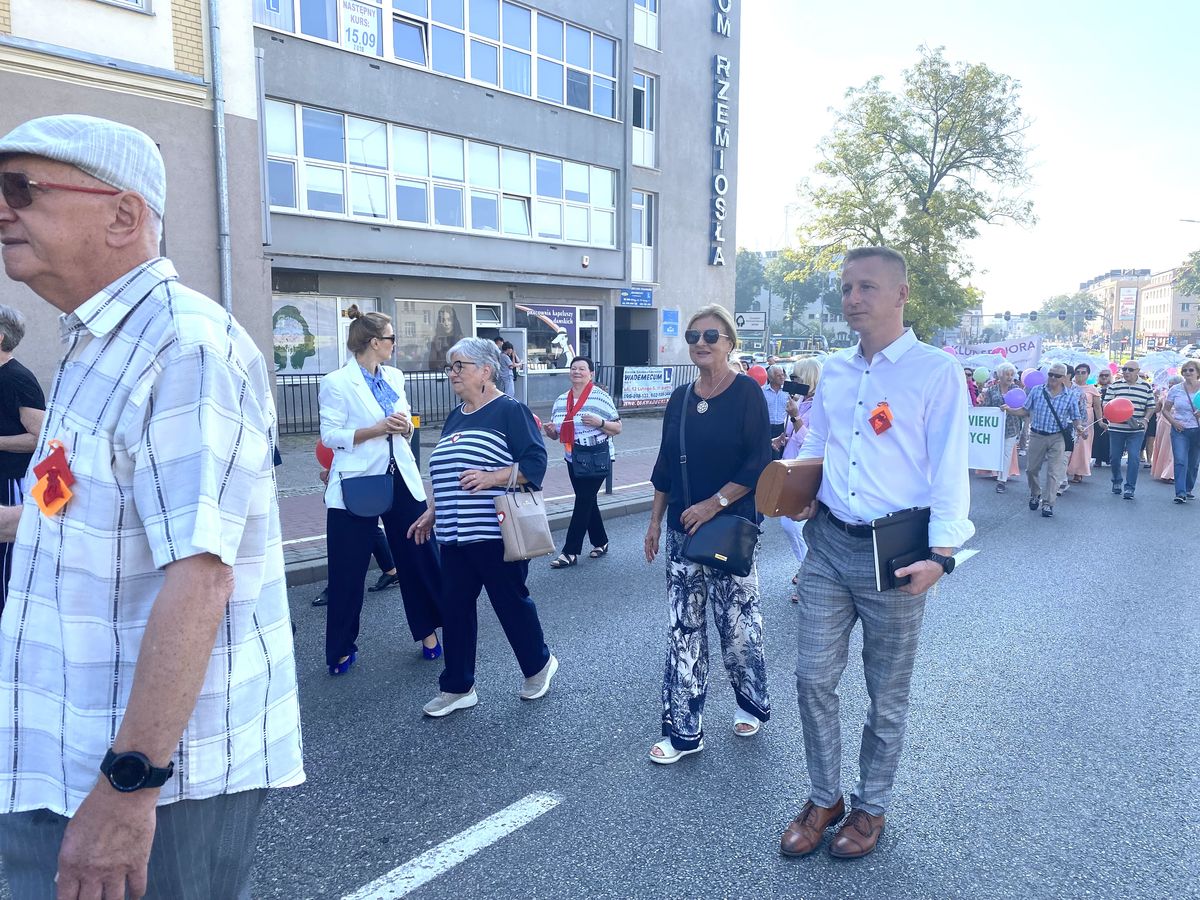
[787,486]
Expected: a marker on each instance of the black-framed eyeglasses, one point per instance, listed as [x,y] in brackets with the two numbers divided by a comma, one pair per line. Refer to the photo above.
[16,188]
[457,366]
[710,335]
[388,337]
[1129,369]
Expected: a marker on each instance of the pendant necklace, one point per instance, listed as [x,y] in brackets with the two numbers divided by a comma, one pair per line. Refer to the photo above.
[702,406]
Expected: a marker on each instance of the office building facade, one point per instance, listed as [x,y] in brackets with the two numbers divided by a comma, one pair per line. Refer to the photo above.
[148,63]
[561,172]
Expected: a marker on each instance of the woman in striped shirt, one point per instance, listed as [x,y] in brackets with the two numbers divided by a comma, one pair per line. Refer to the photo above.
[584,416]
[482,440]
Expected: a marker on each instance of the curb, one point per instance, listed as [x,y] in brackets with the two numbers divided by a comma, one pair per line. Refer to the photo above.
[316,568]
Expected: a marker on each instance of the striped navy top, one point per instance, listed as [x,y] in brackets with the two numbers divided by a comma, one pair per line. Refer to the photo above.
[492,437]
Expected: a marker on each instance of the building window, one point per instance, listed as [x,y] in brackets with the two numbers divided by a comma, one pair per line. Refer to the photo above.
[140,5]
[1185,307]
[492,42]
[642,236]
[329,163]
[645,23]
[643,115]
[556,334]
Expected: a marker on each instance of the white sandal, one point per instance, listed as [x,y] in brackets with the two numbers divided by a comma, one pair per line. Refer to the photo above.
[744,718]
[670,754]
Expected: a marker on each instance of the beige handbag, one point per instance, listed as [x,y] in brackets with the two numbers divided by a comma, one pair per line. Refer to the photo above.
[523,522]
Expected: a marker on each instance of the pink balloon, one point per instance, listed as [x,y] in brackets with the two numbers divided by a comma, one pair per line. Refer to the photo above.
[1001,351]
[1114,368]
[950,350]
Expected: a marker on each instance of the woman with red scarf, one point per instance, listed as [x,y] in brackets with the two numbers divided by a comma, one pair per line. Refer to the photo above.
[585,416]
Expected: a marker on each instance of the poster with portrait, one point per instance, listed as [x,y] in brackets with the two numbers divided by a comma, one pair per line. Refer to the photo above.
[427,329]
[552,335]
[304,334]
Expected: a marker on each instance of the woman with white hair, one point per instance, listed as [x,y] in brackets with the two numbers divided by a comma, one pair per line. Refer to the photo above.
[22,406]
[993,395]
[485,439]
[805,372]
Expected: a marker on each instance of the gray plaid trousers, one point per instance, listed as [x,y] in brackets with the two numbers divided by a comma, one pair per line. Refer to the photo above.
[837,589]
[739,625]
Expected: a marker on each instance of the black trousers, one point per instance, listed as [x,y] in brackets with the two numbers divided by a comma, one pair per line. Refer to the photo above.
[10,495]
[381,551]
[466,568]
[349,540]
[586,514]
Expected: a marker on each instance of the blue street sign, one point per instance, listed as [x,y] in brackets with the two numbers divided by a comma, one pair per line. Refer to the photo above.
[670,323]
[641,297]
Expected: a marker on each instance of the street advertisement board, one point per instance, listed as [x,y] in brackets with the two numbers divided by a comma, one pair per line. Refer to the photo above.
[1024,353]
[647,385]
[1127,304]
[750,321]
[985,449]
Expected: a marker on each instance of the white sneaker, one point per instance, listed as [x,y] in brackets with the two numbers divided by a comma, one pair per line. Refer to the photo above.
[444,704]
[539,684]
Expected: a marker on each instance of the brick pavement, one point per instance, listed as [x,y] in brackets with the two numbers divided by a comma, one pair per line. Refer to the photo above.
[302,508]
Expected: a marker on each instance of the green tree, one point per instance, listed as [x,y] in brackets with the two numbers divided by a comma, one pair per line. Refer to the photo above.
[792,276]
[1075,306]
[1187,279]
[922,170]
[748,279]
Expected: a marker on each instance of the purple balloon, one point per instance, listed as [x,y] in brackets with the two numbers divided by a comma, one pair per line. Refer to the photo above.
[1035,379]
[1015,399]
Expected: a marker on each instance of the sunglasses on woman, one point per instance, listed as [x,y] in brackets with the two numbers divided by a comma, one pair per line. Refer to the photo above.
[16,187]
[710,335]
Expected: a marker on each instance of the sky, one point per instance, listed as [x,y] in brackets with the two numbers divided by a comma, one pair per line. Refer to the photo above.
[1111,89]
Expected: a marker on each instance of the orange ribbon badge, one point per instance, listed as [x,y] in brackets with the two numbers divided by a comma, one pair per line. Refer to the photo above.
[53,488]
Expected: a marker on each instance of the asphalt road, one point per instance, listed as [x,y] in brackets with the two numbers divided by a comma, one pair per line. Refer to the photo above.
[1052,748]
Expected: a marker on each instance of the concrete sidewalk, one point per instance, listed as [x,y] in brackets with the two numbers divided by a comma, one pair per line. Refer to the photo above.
[302,506]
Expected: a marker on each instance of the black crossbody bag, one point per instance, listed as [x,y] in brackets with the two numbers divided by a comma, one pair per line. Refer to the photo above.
[725,542]
[1067,433]
[370,496]
[592,461]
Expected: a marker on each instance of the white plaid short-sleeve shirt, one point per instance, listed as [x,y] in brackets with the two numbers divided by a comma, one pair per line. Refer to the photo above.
[164,406]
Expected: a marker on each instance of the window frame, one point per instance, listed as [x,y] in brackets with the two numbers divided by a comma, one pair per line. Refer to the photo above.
[509,181]
[599,82]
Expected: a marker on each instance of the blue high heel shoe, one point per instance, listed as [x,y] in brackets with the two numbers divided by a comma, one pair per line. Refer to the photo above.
[344,666]
[432,652]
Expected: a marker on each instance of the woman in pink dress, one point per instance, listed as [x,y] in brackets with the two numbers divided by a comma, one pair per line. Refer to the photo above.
[1162,462]
[1080,464]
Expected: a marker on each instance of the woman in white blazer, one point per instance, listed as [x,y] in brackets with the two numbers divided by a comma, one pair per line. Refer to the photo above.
[363,405]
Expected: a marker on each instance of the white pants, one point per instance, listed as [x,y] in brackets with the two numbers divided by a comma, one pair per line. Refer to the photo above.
[1009,443]
[795,535]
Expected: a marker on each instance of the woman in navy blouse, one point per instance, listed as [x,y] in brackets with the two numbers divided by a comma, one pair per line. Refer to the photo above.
[728,444]
[482,440]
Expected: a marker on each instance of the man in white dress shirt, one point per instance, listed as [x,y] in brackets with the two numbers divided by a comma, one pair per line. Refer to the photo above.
[890,421]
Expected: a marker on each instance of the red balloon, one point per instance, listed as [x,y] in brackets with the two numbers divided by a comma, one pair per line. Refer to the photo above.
[759,374]
[1119,410]
[324,456]
[537,420]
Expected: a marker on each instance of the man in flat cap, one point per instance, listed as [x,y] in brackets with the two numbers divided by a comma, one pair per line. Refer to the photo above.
[147,678]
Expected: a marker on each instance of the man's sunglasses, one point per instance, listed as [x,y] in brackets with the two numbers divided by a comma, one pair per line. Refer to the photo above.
[1054,375]
[16,188]
[1129,369]
[710,335]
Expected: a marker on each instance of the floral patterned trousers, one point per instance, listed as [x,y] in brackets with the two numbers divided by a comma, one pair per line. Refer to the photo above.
[690,587]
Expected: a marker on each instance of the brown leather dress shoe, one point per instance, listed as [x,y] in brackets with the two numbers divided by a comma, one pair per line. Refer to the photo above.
[804,835]
[858,835]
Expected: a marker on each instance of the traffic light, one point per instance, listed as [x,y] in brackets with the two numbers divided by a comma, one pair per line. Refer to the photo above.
[1033,316]
[1062,315]
[1007,316]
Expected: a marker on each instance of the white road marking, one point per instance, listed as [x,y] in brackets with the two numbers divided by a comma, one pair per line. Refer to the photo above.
[435,861]
[623,487]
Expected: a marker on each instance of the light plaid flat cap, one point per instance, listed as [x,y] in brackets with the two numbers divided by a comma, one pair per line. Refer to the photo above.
[117,154]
